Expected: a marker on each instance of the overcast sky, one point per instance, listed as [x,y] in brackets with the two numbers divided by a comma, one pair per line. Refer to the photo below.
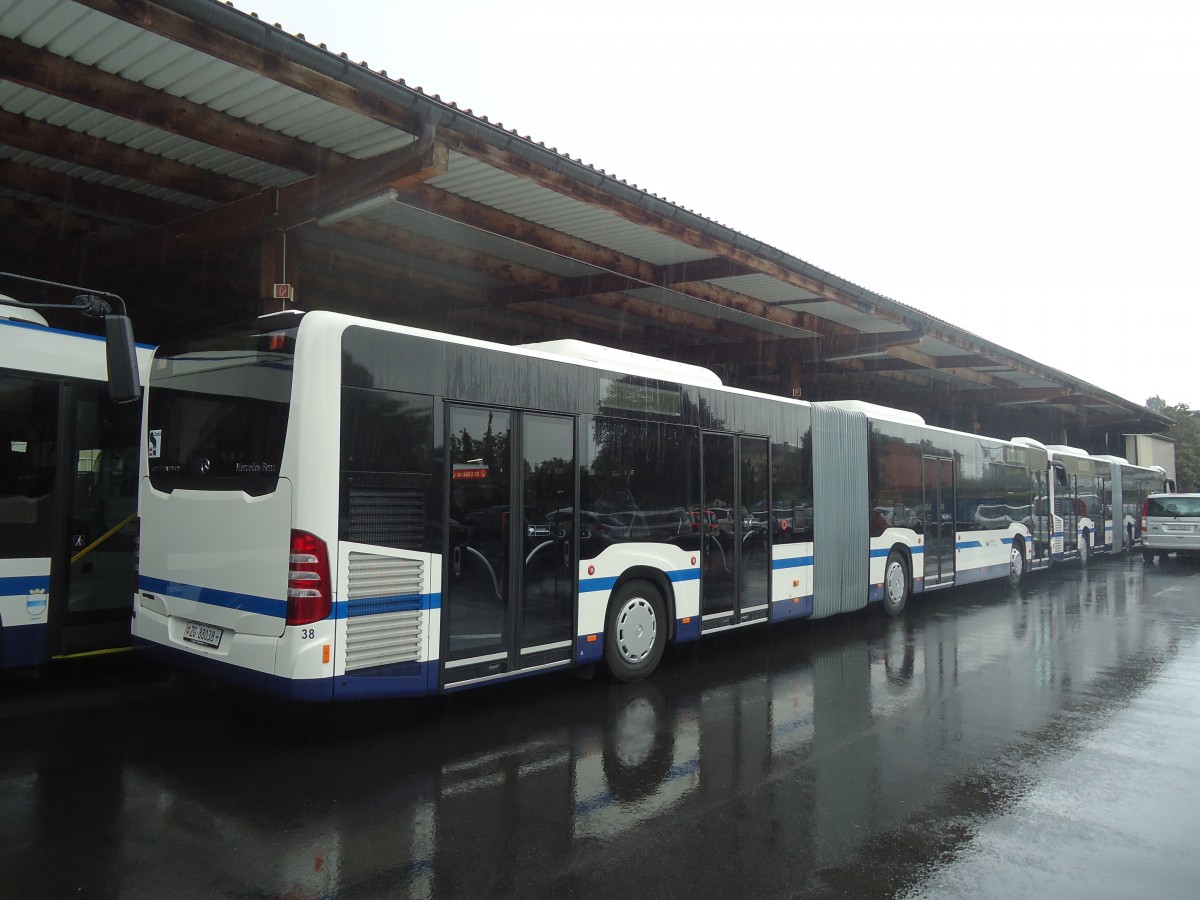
[1024,170]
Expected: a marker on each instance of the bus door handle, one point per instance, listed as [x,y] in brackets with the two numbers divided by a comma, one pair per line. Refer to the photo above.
[456,557]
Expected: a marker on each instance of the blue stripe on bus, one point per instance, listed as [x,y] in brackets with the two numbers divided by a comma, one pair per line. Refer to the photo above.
[23,584]
[792,562]
[42,329]
[589,585]
[884,551]
[263,606]
[372,606]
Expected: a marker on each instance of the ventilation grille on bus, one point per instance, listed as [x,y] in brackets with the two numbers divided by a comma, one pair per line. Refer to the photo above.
[383,611]
[386,516]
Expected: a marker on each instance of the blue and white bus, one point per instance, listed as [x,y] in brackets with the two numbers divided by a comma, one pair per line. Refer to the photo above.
[68,493]
[334,507]
[1089,504]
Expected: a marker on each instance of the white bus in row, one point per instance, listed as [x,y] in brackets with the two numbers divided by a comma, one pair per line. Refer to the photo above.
[68,492]
[1090,504]
[338,508]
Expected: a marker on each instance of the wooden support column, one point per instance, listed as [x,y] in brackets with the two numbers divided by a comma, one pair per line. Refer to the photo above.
[797,380]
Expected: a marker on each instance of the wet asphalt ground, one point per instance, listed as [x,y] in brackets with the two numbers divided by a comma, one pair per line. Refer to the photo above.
[991,743]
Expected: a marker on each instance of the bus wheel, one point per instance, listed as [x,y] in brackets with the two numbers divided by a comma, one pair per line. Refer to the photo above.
[1085,547]
[895,585]
[1016,563]
[635,632]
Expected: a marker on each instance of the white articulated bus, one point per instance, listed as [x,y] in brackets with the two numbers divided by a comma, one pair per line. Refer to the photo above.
[1090,504]
[1131,485]
[68,493]
[334,508]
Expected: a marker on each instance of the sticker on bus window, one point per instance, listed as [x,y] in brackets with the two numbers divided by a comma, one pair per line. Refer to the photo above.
[154,444]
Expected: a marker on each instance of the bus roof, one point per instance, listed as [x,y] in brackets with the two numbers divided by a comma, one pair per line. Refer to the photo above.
[9,310]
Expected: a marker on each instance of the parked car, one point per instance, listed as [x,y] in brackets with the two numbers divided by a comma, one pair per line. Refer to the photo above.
[1170,524]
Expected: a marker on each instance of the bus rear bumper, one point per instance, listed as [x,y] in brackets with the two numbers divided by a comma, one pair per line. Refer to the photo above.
[243,660]
[311,690]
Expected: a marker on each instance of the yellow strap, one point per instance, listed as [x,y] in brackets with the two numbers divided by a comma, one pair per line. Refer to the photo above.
[105,652]
[104,537]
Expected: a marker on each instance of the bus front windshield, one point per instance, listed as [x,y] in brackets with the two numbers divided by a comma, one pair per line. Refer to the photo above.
[218,409]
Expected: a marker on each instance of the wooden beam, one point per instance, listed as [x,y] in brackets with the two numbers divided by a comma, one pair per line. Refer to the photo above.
[626,305]
[767,350]
[541,284]
[849,346]
[284,208]
[624,271]
[559,175]
[92,87]
[870,366]
[928,361]
[965,361]
[52,220]
[709,269]
[77,193]
[570,319]
[157,18]
[356,271]
[82,149]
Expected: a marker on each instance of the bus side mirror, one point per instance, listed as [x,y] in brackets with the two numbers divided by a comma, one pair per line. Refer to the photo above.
[1060,473]
[124,384]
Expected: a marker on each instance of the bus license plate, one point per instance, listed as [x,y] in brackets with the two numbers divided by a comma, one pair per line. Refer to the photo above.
[202,634]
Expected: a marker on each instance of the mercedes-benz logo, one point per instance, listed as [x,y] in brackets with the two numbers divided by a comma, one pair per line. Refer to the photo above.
[205,465]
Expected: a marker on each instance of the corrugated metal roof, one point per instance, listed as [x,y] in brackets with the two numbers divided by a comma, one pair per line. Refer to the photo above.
[625,219]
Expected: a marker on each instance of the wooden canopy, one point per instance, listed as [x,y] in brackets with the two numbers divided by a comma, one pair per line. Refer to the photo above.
[191,157]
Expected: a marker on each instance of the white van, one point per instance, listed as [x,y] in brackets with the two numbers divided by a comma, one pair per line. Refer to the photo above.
[1170,524]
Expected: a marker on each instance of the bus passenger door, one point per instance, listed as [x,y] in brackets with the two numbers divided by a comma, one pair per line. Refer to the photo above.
[940,525]
[101,465]
[1042,523]
[1068,508]
[734,529]
[509,596]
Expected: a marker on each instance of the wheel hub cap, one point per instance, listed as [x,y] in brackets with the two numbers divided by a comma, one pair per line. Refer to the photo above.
[636,630]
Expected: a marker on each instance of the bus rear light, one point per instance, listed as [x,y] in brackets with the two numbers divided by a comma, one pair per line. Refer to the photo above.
[309,594]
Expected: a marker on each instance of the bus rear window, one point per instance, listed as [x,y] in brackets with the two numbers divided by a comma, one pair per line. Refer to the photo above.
[218,410]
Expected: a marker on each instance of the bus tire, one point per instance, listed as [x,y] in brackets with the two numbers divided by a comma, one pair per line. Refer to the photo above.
[635,631]
[1016,562]
[895,585]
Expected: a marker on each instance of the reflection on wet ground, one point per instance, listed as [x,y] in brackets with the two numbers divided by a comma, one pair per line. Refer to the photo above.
[988,742]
